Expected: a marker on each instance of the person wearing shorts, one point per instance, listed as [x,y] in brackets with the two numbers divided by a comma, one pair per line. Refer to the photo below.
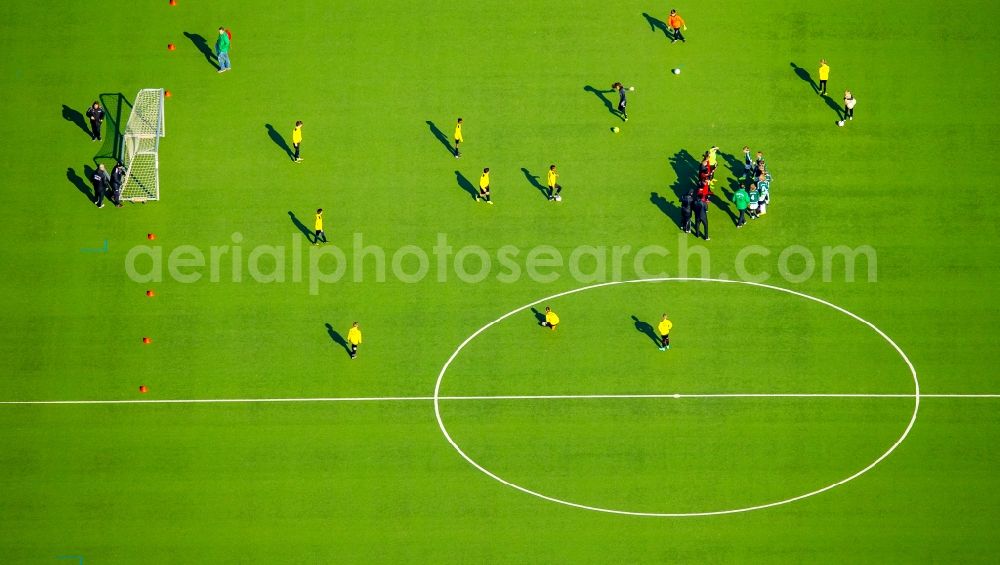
[551,319]
[484,186]
[754,206]
[458,137]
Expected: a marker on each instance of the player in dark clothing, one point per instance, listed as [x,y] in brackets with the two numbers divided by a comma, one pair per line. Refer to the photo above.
[701,210]
[699,215]
[96,115]
[687,200]
[759,165]
[748,166]
[101,180]
[621,99]
[117,178]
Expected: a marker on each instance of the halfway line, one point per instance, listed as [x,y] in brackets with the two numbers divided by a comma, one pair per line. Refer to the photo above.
[496,397]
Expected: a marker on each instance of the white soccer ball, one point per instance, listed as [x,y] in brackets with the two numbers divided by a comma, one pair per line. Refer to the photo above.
[558,198]
[616,129]
[631,88]
[840,123]
[677,71]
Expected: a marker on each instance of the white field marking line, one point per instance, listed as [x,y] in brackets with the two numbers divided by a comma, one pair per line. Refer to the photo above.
[491,397]
[226,400]
[501,480]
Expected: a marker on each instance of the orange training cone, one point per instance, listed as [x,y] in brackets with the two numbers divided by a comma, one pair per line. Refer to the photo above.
[150,293]
[150,236]
[147,340]
[173,2]
[170,47]
[143,389]
[166,93]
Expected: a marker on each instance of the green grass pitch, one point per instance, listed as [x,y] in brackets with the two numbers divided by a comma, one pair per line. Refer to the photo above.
[378,85]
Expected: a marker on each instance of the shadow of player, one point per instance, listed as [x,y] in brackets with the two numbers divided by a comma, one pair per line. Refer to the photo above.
[81,183]
[71,115]
[302,228]
[278,140]
[202,45]
[440,136]
[733,163]
[646,329]
[723,204]
[539,316]
[655,24]
[612,109]
[466,185]
[804,75]
[834,106]
[337,338]
[533,179]
[669,209]
[685,171]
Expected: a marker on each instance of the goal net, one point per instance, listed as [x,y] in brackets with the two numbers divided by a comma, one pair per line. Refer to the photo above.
[140,147]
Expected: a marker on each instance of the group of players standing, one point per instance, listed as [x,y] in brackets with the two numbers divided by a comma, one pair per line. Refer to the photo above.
[104,183]
[751,196]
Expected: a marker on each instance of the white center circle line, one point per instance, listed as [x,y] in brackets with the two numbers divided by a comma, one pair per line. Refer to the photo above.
[906,432]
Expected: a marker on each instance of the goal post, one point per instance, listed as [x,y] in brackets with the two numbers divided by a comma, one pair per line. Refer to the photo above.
[141,145]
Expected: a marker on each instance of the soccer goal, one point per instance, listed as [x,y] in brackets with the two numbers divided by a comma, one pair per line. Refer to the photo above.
[141,145]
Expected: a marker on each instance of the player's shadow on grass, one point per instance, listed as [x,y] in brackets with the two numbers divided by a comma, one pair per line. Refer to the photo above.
[735,165]
[804,75]
[81,182]
[655,24]
[723,203]
[441,137]
[337,338]
[202,46]
[466,185]
[685,170]
[71,115]
[647,329]
[671,210]
[278,140]
[833,106]
[607,103]
[533,179]
[302,227]
[539,316]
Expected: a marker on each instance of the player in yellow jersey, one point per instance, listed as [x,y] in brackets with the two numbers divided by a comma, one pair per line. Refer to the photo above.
[713,163]
[458,137]
[320,234]
[664,328]
[554,188]
[484,186]
[297,140]
[824,75]
[354,339]
[551,319]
